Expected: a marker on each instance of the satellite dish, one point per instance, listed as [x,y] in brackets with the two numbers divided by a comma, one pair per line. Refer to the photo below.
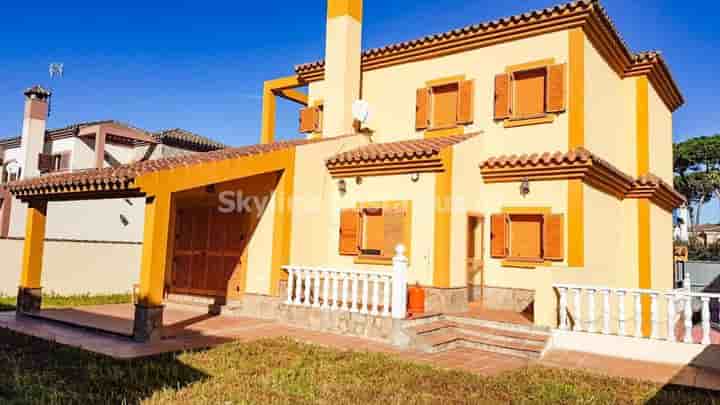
[361,110]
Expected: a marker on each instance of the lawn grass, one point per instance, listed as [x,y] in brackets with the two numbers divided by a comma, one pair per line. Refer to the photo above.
[63,301]
[287,372]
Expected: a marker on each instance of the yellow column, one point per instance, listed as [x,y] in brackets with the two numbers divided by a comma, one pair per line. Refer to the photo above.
[34,245]
[443,210]
[268,114]
[576,138]
[644,225]
[154,251]
[282,226]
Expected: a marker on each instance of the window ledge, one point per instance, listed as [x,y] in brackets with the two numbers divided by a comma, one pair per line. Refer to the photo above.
[444,131]
[525,264]
[373,260]
[521,122]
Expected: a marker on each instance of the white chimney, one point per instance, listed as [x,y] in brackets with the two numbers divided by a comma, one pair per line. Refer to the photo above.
[33,131]
[343,51]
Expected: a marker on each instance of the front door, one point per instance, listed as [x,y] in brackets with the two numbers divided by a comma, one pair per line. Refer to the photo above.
[208,250]
[475,252]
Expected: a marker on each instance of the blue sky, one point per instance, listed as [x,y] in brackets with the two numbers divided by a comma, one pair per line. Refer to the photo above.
[200,65]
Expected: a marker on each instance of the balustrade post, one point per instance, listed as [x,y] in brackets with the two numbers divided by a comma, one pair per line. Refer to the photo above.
[399,280]
[355,282]
[606,311]
[638,315]
[591,311]
[670,317]
[706,320]
[621,312]
[563,308]
[688,319]
[578,311]
[291,276]
[335,304]
[308,286]
[375,295]
[365,294]
[298,287]
[326,290]
[654,316]
[345,301]
[316,301]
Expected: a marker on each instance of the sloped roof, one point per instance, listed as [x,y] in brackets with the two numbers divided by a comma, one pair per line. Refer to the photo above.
[186,139]
[122,177]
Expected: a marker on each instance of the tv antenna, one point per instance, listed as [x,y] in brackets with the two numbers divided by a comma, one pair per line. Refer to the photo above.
[56,71]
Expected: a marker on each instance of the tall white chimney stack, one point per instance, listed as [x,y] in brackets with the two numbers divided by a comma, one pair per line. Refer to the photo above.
[33,131]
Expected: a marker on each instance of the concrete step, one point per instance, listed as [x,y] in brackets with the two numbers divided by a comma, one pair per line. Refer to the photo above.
[447,340]
[526,328]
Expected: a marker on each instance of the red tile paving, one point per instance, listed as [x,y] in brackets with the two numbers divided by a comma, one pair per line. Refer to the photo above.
[190,329]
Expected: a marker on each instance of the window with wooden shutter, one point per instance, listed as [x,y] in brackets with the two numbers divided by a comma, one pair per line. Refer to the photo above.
[373,232]
[556,88]
[45,162]
[498,235]
[394,225]
[553,237]
[526,237]
[422,109]
[444,105]
[529,92]
[466,101]
[502,96]
[349,234]
[310,119]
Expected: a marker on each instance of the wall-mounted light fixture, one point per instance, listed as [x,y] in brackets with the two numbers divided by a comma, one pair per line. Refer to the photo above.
[210,189]
[415,177]
[358,180]
[524,187]
[342,186]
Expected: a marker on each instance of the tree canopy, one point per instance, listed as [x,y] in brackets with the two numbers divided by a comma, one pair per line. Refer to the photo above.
[696,163]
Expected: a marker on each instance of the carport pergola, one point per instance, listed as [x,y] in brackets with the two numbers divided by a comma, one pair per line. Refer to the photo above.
[158,181]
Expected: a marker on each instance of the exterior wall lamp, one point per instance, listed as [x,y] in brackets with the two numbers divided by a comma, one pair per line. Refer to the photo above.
[524,187]
[342,186]
[415,177]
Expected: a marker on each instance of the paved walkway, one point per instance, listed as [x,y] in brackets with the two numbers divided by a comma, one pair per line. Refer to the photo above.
[222,329]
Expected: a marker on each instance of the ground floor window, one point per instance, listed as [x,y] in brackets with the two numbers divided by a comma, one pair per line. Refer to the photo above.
[527,236]
[372,230]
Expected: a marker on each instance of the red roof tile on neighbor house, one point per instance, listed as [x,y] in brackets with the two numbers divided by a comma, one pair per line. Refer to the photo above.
[122,177]
[396,151]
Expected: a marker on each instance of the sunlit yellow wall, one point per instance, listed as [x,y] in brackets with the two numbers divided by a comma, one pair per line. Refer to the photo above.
[660,129]
[609,112]
[260,252]
[391,93]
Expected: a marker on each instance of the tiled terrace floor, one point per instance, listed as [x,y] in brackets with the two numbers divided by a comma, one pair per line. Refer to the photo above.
[190,329]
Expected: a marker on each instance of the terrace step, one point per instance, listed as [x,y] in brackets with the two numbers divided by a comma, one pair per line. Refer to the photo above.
[441,334]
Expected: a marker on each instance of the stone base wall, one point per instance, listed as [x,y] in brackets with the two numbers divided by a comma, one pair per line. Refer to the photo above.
[446,300]
[505,299]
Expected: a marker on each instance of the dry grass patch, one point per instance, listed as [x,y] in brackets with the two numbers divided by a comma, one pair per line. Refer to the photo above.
[284,371]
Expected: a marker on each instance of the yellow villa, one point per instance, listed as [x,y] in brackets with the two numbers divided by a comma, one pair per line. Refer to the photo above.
[506,157]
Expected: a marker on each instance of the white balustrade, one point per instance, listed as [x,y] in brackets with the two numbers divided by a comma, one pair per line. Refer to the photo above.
[679,311]
[351,290]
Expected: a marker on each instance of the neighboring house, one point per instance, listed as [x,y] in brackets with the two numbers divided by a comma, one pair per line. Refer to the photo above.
[709,234]
[506,156]
[39,152]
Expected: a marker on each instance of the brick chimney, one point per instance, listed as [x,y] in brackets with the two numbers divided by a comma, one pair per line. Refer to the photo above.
[343,51]
[33,131]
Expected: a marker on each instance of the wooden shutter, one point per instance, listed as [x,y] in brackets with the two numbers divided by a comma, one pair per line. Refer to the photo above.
[394,225]
[349,235]
[309,119]
[502,96]
[498,235]
[553,237]
[466,98]
[45,162]
[422,109]
[555,88]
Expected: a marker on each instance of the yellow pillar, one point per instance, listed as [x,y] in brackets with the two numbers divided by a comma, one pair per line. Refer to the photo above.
[268,114]
[155,244]
[443,210]
[282,226]
[34,245]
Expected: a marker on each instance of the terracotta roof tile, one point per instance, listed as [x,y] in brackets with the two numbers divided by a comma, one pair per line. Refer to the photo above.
[186,139]
[122,177]
[396,151]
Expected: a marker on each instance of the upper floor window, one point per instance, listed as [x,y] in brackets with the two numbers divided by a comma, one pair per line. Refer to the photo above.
[311,119]
[530,91]
[444,105]
[56,162]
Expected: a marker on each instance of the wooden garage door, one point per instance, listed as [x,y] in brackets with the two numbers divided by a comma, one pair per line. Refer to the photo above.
[208,249]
